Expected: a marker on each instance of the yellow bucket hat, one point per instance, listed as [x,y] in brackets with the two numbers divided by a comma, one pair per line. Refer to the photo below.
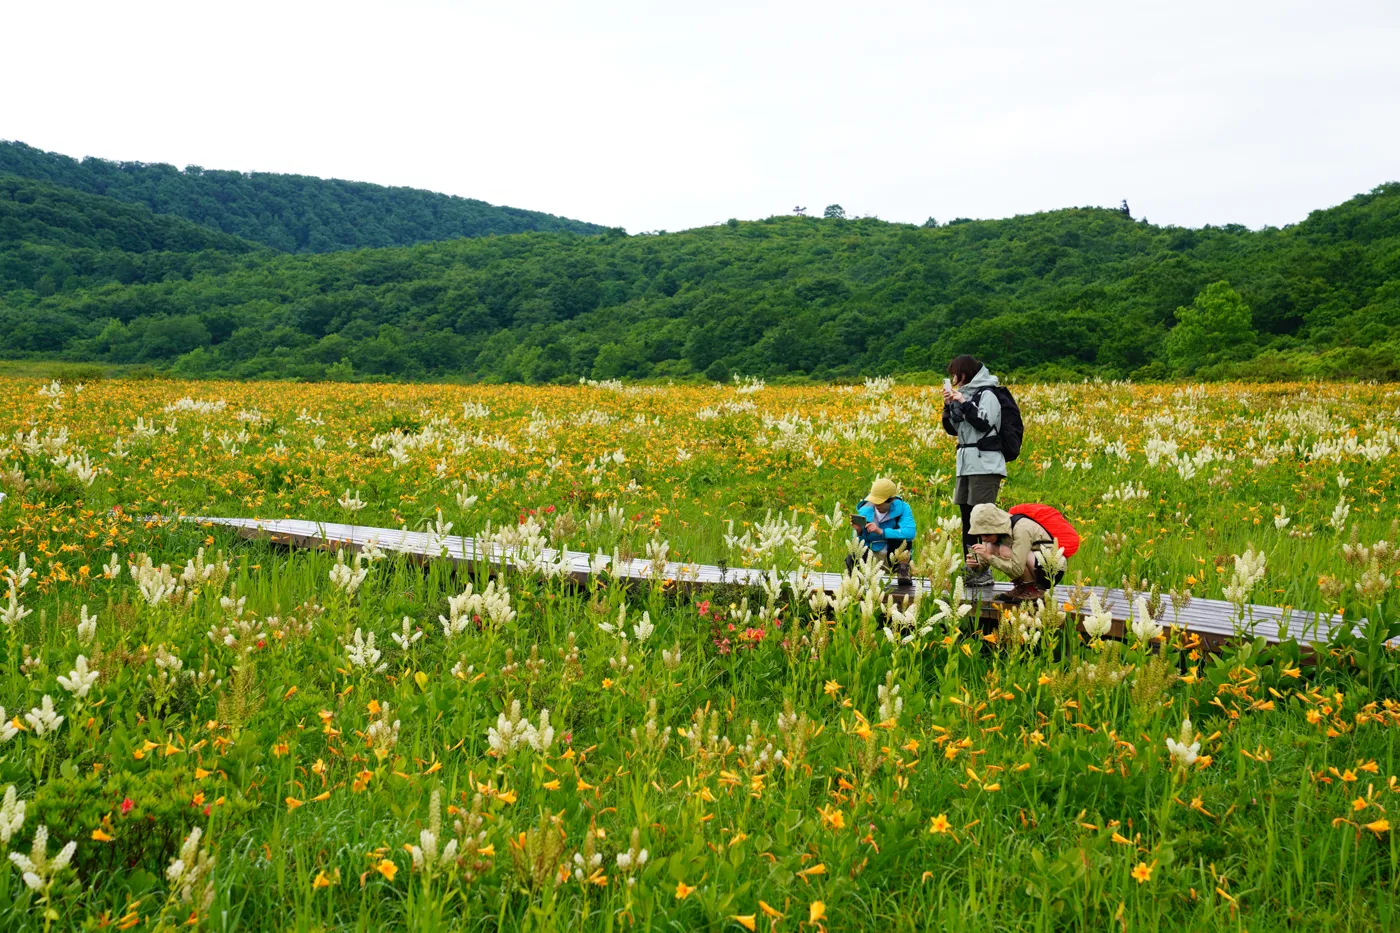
[882,491]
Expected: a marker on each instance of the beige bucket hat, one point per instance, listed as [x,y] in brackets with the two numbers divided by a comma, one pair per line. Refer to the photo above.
[987,519]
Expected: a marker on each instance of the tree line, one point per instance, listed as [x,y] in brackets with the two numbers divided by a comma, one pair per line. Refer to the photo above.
[292,213]
[1061,294]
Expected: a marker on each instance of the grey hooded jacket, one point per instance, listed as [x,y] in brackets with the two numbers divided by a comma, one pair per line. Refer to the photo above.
[969,423]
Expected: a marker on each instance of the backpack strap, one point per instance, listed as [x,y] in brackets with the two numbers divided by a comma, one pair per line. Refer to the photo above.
[977,400]
[1016,517]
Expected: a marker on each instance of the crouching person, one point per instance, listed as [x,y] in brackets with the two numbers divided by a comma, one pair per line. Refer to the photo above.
[884,525]
[1020,547]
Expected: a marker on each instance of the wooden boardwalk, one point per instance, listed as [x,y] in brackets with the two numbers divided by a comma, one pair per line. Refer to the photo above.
[1214,620]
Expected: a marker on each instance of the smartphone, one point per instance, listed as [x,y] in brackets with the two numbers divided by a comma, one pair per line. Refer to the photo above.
[858,520]
[947,385]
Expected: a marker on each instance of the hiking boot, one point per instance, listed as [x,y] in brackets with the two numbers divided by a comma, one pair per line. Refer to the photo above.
[902,574]
[977,579]
[1022,593]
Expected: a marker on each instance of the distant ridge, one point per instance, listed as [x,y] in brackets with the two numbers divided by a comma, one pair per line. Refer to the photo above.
[37,214]
[292,213]
[1063,294]
[54,238]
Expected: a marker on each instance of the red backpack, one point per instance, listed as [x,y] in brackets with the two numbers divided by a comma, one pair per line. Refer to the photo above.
[1049,518]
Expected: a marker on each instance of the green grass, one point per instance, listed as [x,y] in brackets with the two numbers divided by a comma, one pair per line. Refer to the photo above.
[1055,786]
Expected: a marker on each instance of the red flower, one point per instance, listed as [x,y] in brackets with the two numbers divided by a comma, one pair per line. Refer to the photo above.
[127,804]
[549,510]
[704,607]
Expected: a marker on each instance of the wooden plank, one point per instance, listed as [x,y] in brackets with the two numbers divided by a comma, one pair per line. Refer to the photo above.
[1213,619]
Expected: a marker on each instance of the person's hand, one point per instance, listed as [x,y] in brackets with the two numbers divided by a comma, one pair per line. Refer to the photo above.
[980,550]
[947,394]
[973,561]
[872,528]
[958,397]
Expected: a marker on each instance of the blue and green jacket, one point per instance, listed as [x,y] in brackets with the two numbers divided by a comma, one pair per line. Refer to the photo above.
[897,528]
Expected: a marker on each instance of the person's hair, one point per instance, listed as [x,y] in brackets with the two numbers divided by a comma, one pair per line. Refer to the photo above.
[964,368]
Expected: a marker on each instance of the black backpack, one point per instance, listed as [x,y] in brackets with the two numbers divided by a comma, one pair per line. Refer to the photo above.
[1008,438]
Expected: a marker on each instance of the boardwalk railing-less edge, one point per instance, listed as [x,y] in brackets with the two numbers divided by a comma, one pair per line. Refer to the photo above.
[1214,620]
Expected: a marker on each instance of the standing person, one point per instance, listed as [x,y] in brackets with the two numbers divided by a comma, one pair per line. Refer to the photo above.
[972,414]
[884,524]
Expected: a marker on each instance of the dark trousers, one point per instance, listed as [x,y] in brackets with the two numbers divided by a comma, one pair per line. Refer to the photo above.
[968,539]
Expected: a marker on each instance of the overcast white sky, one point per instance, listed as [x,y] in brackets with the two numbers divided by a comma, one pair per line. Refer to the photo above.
[670,115]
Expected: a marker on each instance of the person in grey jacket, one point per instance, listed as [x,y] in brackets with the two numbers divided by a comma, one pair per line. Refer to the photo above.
[973,416]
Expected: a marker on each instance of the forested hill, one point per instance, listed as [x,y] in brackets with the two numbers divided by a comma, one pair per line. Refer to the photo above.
[40,214]
[57,239]
[293,213]
[1066,293]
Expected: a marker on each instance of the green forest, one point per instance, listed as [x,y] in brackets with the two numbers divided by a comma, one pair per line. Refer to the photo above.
[1062,294]
[291,213]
